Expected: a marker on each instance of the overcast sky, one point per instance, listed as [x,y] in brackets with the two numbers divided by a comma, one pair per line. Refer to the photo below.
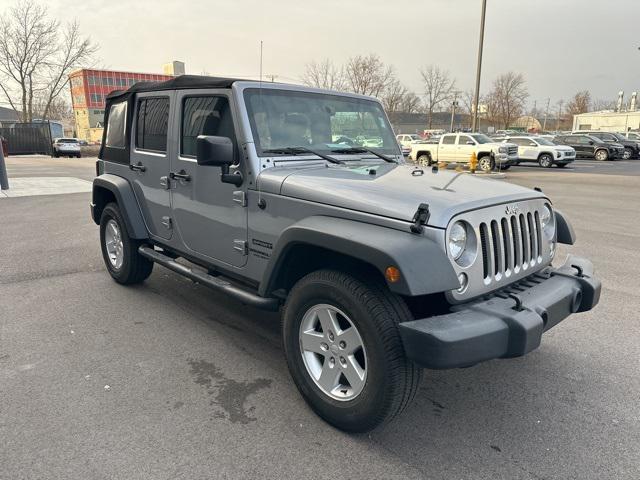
[561,46]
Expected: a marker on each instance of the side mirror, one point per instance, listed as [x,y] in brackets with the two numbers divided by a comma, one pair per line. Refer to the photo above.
[214,151]
[217,152]
[470,142]
[531,144]
[591,142]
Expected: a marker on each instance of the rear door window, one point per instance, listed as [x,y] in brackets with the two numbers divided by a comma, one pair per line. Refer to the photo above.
[152,123]
[449,140]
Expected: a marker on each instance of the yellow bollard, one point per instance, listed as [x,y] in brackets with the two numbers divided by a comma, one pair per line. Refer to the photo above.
[473,163]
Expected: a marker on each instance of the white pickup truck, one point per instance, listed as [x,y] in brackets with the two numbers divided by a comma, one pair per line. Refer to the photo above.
[458,148]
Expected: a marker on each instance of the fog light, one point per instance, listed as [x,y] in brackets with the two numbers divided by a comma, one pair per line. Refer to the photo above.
[463,280]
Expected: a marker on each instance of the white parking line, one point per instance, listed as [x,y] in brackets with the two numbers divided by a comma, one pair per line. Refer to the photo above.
[30,186]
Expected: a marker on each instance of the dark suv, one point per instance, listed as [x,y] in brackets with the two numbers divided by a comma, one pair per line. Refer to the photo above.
[631,147]
[591,147]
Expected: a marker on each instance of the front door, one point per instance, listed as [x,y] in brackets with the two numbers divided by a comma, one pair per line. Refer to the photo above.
[210,216]
[149,161]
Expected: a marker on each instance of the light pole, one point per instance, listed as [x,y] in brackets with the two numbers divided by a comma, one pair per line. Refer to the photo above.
[454,104]
[476,96]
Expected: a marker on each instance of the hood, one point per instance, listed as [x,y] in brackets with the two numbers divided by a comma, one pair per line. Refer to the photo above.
[394,191]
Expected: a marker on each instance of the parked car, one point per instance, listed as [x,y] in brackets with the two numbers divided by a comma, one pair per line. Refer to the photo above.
[635,136]
[542,151]
[458,148]
[631,147]
[587,146]
[406,139]
[379,268]
[66,147]
[405,149]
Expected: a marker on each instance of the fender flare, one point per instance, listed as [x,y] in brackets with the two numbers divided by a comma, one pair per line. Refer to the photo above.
[423,264]
[565,233]
[123,192]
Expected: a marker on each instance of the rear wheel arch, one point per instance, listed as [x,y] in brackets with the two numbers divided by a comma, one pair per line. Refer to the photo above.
[112,188]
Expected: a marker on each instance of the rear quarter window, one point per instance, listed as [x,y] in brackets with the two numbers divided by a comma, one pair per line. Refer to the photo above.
[116,125]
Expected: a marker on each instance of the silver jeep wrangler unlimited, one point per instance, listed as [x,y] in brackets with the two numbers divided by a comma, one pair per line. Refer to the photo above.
[290,197]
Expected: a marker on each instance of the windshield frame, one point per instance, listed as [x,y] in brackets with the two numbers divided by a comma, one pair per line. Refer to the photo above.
[393,150]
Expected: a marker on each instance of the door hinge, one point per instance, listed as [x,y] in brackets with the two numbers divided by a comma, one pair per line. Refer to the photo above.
[240,198]
[241,247]
[166,223]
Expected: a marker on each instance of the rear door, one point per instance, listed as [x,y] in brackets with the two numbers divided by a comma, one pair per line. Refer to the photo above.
[465,148]
[447,148]
[149,161]
[210,216]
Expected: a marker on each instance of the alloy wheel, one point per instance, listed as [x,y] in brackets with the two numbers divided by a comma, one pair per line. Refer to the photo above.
[333,352]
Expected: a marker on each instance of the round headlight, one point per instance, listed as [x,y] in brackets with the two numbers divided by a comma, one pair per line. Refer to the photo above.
[548,221]
[457,240]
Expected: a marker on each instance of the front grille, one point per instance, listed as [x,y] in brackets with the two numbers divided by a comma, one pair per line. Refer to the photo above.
[510,244]
[512,150]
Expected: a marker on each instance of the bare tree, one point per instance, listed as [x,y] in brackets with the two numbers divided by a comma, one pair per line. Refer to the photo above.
[393,95]
[410,103]
[603,104]
[506,101]
[368,75]
[580,103]
[324,74]
[35,58]
[438,87]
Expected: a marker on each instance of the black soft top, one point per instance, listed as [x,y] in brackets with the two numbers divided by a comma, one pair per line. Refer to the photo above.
[180,82]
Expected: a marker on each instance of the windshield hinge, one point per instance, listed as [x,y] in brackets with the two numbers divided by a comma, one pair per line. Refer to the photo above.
[420,218]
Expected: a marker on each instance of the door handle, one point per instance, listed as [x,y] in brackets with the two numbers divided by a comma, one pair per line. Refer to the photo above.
[181,175]
[139,167]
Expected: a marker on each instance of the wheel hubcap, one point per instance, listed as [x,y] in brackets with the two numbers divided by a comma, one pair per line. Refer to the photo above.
[485,164]
[113,244]
[333,352]
[626,155]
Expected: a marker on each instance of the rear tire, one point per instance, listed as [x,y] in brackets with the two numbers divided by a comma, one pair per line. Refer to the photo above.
[356,309]
[119,251]
[628,153]
[545,160]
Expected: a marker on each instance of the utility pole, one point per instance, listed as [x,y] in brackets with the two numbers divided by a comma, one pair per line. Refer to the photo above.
[4,180]
[454,104]
[476,97]
[546,114]
[559,114]
[533,115]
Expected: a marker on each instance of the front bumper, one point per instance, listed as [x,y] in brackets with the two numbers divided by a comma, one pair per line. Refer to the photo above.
[509,324]
[504,159]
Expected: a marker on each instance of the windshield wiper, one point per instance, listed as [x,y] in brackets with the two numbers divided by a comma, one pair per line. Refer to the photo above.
[300,150]
[364,150]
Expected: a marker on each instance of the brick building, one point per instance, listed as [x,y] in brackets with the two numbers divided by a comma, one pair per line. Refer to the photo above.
[88,91]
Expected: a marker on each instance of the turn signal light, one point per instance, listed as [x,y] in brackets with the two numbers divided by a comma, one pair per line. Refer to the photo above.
[392,274]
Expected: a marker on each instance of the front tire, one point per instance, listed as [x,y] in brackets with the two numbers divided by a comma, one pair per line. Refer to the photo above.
[601,155]
[119,251]
[545,160]
[424,159]
[486,164]
[344,352]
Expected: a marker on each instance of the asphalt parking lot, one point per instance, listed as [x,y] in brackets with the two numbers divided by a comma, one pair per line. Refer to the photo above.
[169,380]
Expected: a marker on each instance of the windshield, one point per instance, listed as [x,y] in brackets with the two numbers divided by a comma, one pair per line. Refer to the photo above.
[544,141]
[619,137]
[285,118]
[481,138]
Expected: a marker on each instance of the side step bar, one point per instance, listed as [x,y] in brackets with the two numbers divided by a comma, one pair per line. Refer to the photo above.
[244,296]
